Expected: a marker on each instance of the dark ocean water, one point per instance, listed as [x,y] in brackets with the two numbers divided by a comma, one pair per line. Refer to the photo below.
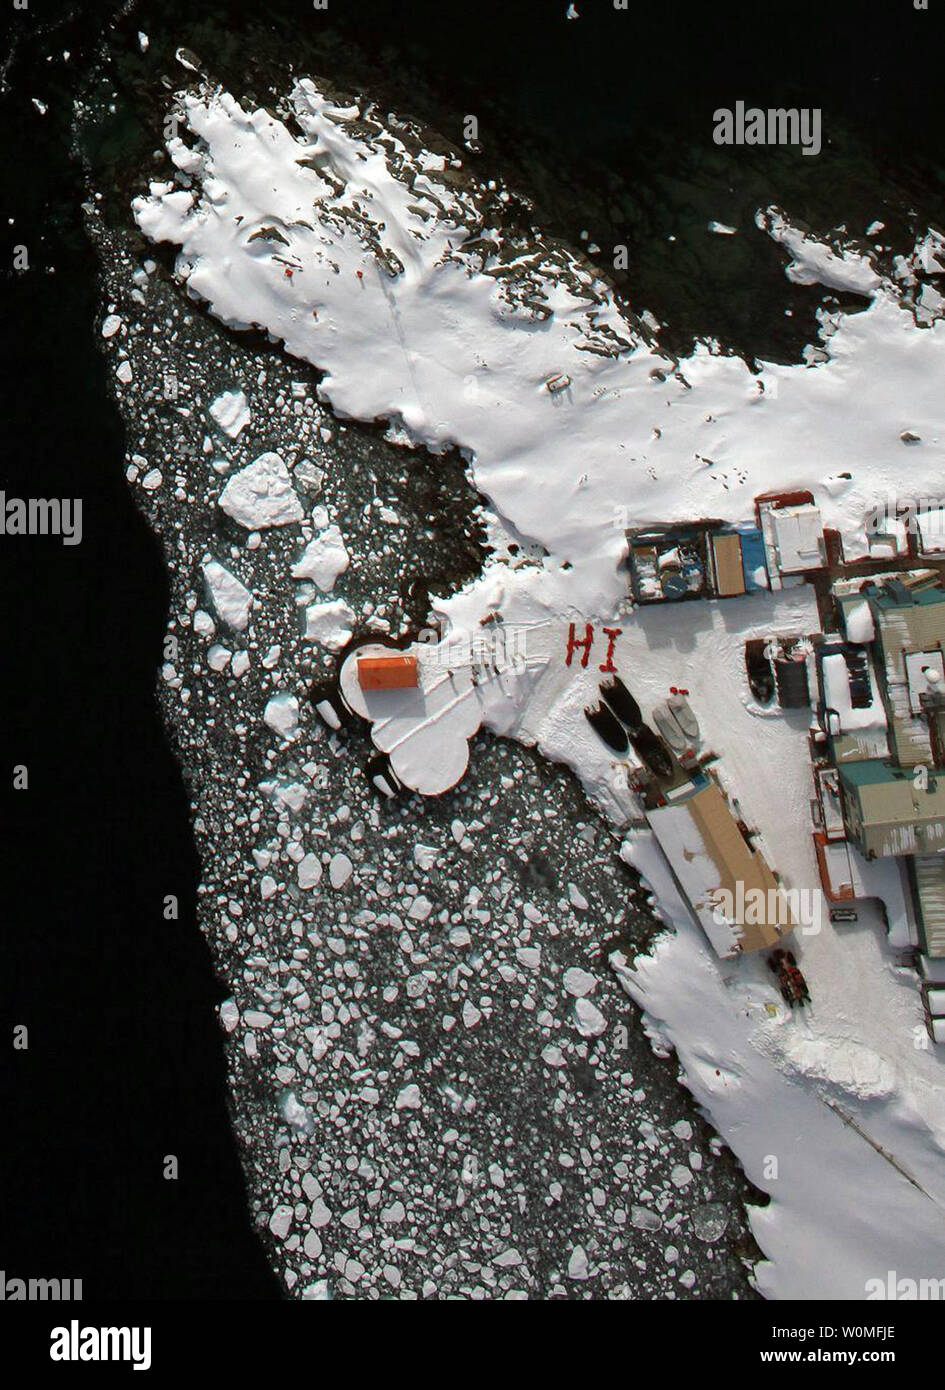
[124,1065]
[605,124]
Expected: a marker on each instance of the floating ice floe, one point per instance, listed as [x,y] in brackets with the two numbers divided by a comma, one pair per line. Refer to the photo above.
[813,263]
[323,559]
[330,623]
[232,601]
[309,871]
[340,870]
[262,495]
[282,716]
[231,412]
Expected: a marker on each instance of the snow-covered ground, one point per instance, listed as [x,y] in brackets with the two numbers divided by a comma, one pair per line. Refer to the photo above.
[368,262]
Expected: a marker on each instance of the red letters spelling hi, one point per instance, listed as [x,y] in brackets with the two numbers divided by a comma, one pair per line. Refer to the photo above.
[584,644]
[611,633]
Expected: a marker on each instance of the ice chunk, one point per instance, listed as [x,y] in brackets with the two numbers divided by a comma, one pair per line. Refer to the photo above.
[590,1021]
[329,623]
[709,1221]
[409,1098]
[323,559]
[339,870]
[644,1219]
[231,412]
[282,716]
[231,599]
[309,871]
[262,495]
[578,982]
[280,1221]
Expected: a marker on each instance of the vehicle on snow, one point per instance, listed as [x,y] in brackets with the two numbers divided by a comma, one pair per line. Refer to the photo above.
[791,982]
[760,671]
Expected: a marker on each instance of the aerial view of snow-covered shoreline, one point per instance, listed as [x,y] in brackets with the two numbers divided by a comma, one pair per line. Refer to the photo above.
[557,681]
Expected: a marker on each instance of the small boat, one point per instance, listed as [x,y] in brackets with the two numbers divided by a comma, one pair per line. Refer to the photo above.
[681,711]
[618,697]
[652,751]
[608,728]
[669,730]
